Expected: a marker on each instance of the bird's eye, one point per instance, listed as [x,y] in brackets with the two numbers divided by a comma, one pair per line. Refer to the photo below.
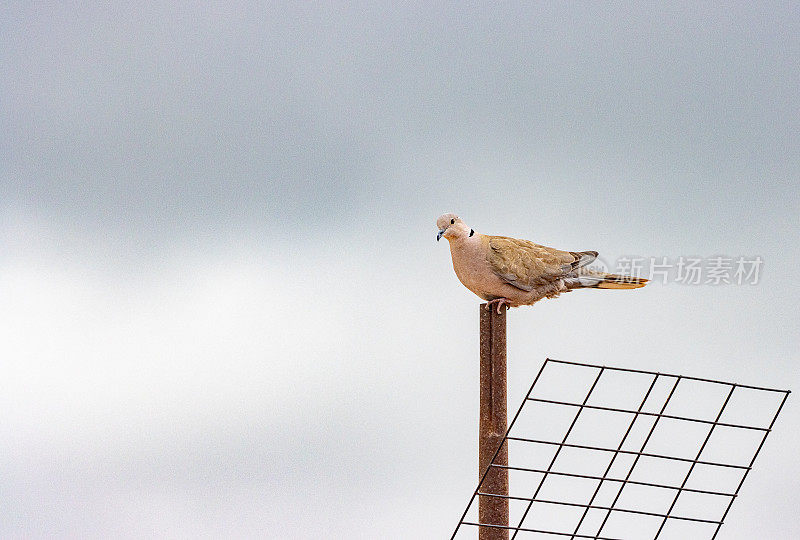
[452,221]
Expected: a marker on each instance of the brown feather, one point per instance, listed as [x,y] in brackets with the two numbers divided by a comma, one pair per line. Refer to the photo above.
[525,264]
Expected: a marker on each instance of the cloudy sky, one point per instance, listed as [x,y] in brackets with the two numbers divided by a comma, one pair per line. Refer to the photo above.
[224,313]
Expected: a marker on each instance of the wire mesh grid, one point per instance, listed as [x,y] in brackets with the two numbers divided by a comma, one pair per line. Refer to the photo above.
[619,454]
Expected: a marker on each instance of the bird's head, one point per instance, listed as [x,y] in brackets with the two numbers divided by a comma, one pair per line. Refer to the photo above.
[451,227]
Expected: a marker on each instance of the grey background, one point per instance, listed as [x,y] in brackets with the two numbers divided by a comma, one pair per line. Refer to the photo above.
[223,309]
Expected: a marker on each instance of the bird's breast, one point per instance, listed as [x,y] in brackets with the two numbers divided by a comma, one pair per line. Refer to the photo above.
[470,266]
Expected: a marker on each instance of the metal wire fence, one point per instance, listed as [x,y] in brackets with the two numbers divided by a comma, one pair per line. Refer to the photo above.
[618,454]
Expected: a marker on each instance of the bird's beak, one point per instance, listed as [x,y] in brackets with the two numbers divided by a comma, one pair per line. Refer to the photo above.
[439,236]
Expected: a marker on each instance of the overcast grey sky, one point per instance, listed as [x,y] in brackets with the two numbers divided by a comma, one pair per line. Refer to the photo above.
[223,309]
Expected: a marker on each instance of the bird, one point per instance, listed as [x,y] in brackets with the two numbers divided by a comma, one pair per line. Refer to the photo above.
[509,272]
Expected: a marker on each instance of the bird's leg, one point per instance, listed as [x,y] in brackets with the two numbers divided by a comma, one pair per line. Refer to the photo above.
[500,303]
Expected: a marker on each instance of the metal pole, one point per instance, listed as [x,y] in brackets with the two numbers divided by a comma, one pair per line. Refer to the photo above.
[493,423]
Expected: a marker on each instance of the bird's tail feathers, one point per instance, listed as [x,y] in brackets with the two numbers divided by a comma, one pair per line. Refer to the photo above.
[611,281]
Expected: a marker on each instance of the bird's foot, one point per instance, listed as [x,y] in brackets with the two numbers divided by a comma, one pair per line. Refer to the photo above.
[500,303]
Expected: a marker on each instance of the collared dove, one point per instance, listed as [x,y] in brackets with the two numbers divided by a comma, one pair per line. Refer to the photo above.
[511,272]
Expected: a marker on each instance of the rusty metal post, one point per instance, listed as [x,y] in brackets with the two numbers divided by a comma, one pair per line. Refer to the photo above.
[493,423]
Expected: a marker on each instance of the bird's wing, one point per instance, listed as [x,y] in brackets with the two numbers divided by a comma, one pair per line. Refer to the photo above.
[525,265]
